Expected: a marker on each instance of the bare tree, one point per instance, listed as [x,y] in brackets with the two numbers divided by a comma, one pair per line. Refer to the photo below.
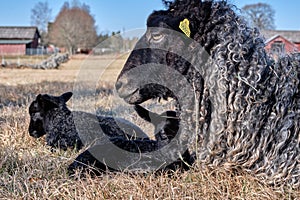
[74,28]
[41,15]
[260,15]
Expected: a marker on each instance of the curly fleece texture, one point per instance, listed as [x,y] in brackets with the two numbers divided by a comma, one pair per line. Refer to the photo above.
[249,104]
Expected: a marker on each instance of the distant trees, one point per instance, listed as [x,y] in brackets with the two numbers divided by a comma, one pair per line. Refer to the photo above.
[40,17]
[260,15]
[74,28]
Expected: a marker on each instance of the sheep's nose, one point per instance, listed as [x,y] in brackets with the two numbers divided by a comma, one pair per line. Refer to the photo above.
[118,85]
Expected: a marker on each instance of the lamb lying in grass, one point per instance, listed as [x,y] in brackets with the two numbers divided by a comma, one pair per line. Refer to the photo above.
[50,116]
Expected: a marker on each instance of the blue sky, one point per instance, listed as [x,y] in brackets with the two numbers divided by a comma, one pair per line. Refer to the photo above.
[114,15]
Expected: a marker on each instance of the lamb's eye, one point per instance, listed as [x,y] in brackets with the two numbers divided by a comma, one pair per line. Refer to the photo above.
[157,36]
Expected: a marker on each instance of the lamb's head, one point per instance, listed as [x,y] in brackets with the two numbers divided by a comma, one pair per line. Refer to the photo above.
[170,38]
[166,124]
[40,107]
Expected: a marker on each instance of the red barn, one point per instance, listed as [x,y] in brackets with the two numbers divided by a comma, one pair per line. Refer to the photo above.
[278,42]
[15,40]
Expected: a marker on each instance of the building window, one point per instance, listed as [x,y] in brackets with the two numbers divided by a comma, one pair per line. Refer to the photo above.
[278,48]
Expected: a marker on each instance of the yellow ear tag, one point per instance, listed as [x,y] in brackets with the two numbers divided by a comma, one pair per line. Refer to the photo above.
[185,27]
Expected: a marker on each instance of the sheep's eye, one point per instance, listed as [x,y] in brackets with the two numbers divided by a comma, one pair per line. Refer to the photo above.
[157,36]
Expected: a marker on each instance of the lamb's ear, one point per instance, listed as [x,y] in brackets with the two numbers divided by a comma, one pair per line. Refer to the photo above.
[66,96]
[38,98]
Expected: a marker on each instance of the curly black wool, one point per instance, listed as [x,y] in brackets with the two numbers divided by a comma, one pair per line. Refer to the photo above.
[247,105]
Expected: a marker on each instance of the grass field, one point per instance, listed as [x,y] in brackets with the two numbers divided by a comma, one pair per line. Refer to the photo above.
[29,170]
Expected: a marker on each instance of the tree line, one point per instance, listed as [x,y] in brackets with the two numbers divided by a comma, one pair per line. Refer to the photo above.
[75,27]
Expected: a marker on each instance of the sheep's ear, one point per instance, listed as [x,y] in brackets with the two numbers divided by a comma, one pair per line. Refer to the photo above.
[39,97]
[66,96]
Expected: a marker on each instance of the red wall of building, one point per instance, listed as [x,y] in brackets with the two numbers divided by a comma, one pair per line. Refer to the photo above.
[298,46]
[289,46]
[12,49]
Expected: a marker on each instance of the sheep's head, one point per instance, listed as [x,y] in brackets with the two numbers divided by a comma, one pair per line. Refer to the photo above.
[40,107]
[152,49]
[170,38]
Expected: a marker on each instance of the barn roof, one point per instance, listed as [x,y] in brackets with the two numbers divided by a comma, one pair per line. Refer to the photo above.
[18,32]
[15,41]
[293,36]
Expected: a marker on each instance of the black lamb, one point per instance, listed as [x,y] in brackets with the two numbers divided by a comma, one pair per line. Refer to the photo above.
[237,106]
[50,116]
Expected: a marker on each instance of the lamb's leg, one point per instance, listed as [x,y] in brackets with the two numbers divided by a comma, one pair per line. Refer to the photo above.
[87,163]
[125,159]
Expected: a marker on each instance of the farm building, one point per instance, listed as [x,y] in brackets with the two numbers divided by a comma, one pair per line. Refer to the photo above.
[278,42]
[17,40]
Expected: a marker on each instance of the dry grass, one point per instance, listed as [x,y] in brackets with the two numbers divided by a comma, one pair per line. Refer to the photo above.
[28,170]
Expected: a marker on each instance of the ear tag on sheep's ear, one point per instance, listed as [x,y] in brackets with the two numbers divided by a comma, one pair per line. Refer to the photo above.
[185,27]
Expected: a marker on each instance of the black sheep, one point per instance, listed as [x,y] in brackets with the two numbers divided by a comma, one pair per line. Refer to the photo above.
[50,116]
[237,106]
[108,138]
